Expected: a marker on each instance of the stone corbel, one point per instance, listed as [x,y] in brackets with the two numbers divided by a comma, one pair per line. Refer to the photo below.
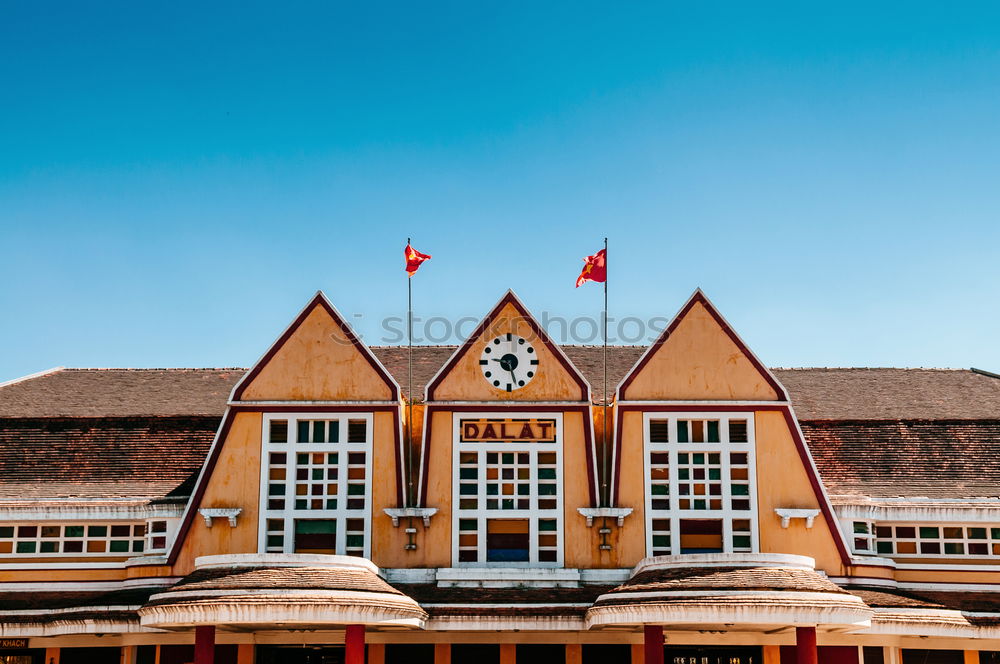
[787,514]
[423,513]
[616,513]
[230,513]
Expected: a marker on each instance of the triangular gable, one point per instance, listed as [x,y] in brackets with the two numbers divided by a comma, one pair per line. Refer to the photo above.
[461,379]
[699,357]
[317,358]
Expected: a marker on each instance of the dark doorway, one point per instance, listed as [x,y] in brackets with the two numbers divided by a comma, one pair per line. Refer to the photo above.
[712,655]
[300,655]
[23,656]
[409,653]
[541,653]
[605,653]
[475,653]
[90,655]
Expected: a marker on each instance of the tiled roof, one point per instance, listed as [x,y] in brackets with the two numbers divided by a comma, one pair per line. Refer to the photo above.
[284,578]
[119,393]
[817,393]
[891,394]
[890,459]
[138,457]
[730,578]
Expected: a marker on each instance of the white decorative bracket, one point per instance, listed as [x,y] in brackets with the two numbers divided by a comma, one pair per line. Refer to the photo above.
[423,513]
[617,513]
[787,514]
[209,513]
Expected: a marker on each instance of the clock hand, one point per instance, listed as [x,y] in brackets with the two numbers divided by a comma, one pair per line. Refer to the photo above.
[513,377]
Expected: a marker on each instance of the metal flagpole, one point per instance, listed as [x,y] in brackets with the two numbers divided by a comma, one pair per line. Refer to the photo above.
[409,388]
[606,498]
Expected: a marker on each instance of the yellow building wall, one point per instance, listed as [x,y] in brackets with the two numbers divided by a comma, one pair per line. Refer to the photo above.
[465,381]
[699,361]
[318,362]
[783,481]
[630,544]
[437,545]
[235,482]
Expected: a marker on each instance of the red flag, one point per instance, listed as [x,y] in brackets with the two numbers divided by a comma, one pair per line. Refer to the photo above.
[595,268]
[413,259]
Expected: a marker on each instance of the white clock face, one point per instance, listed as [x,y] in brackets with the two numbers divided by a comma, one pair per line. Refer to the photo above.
[508,362]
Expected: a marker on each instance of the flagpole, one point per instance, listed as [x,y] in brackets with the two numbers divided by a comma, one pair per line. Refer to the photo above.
[409,388]
[604,493]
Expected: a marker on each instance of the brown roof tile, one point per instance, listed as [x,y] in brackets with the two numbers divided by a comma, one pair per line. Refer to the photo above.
[129,458]
[945,459]
[284,578]
[729,578]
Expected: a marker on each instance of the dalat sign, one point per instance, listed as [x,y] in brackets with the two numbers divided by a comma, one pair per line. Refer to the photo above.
[508,431]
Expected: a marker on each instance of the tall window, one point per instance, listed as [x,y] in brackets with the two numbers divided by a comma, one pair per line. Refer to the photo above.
[507,490]
[315,484]
[699,483]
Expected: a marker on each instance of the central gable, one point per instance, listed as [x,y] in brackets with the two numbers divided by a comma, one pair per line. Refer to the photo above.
[699,357]
[318,358]
[462,377]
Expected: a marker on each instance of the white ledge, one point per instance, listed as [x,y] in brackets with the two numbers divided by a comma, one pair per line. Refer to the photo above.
[284,560]
[508,577]
[210,513]
[616,513]
[725,560]
[423,513]
[787,514]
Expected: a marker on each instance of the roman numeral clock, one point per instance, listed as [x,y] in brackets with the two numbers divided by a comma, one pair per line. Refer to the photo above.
[508,362]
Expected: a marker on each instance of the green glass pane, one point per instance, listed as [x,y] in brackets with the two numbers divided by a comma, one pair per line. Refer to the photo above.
[302,459]
[994,533]
[660,489]
[860,527]
[491,489]
[468,473]
[315,527]
[331,459]
[468,524]
[698,459]
[97,531]
[713,432]
[977,533]
[355,489]
[508,457]
[740,490]
[547,524]
[50,547]
[6,532]
[661,540]
[319,432]
[927,532]
[546,473]
[317,473]
[883,547]
[683,473]
[119,546]
[272,490]
[682,432]
[355,541]
[74,531]
[25,547]
[682,458]
[714,473]
[546,489]
[137,546]
[956,548]
[523,489]
[699,504]
[334,436]
[468,489]
[741,541]
[274,541]
[303,429]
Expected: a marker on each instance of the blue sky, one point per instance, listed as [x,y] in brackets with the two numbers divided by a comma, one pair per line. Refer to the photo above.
[177,179]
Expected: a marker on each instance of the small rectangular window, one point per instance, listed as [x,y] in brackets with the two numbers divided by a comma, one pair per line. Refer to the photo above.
[315,536]
[701,535]
[357,431]
[507,540]
[278,431]
[659,431]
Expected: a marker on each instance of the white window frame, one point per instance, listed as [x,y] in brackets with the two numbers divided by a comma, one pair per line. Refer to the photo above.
[917,525]
[85,538]
[724,448]
[481,514]
[290,514]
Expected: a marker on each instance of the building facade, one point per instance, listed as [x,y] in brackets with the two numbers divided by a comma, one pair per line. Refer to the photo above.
[703,509]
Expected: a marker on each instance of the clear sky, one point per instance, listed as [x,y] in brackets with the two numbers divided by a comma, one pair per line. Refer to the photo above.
[177,179]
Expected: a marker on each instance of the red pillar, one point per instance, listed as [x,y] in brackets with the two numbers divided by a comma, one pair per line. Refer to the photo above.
[805,646]
[355,641]
[204,644]
[652,639]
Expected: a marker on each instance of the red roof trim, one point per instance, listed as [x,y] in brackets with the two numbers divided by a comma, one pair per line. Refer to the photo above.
[509,298]
[318,300]
[697,297]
